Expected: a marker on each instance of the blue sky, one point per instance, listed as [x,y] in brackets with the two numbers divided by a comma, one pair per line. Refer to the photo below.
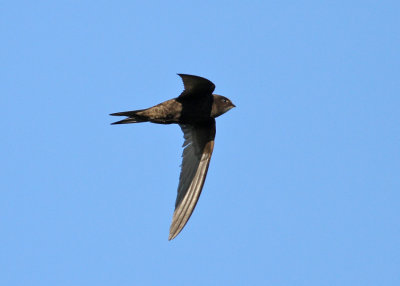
[303,187]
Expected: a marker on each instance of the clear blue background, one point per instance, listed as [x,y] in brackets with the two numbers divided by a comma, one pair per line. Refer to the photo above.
[303,187]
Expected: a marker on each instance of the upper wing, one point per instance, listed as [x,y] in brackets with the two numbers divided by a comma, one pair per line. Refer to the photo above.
[199,145]
[196,85]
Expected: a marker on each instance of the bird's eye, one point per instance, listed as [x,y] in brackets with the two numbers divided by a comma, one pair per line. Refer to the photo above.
[225,100]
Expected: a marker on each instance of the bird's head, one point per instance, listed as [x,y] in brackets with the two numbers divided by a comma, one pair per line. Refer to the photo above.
[221,105]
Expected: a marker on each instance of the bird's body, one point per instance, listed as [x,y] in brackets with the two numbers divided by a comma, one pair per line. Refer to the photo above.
[195,111]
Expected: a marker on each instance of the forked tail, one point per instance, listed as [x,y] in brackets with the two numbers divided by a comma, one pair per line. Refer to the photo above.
[133,117]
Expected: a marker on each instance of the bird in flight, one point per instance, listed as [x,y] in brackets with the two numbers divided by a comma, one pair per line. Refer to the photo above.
[195,110]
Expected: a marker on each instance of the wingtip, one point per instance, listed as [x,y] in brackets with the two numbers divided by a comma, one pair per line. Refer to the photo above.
[172,236]
[186,74]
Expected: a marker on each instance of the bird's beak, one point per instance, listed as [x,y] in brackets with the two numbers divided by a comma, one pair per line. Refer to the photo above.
[233,105]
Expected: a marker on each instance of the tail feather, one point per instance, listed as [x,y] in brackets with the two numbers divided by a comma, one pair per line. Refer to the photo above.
[133,117]
[126,113]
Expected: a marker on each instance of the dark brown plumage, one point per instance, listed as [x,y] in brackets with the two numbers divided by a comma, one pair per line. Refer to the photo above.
[194,110]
